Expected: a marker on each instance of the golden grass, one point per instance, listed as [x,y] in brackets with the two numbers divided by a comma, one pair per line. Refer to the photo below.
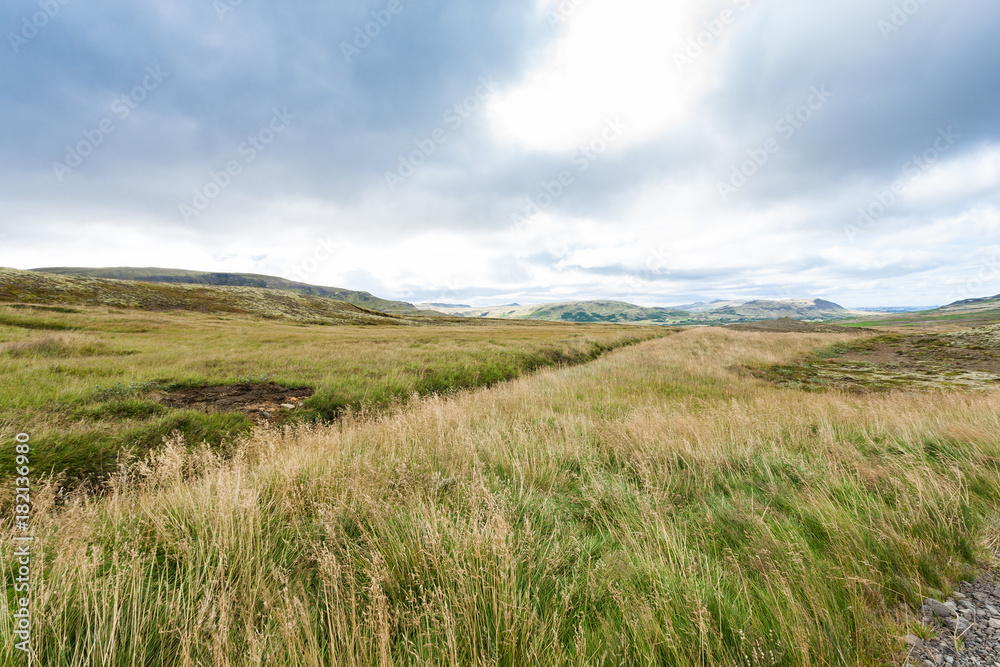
[653,507]
[69,378]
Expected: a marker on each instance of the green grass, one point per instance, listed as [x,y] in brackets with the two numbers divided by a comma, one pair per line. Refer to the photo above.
[651,508]
[84,381]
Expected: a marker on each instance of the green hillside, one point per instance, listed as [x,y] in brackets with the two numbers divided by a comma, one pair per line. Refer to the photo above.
[968,312]
[796,309]
[31,287]
[181,276]
[605,311]
[984,304]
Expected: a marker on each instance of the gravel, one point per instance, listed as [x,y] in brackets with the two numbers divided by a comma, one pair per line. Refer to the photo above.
[966,627]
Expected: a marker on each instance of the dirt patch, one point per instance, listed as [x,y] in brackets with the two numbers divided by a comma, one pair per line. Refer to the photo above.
[788,325]
[957,360]
[261,402]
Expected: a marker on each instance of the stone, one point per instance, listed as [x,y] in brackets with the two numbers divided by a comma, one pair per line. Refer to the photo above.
[914,641]
[938,609]
[288,406]
[956,624]
[995,623]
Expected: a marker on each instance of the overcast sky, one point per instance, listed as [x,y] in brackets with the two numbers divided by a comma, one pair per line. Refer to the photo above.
[483,152]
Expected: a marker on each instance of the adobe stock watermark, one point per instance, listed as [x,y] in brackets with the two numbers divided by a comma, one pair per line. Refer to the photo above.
[121,108]
[246,153]
[225,7]
[900,16]
[365,34]
[454,118]
[714,30]
[786,127]
[448,292]
[977,285]
[563,12]
[34,24]
[582,159]
[656,265]
[886,198]
[324,250]
[23,539]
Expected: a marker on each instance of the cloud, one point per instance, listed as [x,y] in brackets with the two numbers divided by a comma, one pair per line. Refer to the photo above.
[699,88]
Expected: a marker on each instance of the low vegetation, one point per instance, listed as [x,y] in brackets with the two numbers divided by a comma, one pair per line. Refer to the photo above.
[91,383]
[656,506]
[964,359]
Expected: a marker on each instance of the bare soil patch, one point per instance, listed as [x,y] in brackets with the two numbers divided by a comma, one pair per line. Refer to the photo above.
[262,402]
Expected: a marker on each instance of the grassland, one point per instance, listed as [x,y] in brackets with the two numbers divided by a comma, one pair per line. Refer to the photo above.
[86,381]
[963,359]
[656,506]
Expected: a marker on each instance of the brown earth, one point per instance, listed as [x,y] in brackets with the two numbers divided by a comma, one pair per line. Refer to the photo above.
[261,402]
[968,359]
[916,353]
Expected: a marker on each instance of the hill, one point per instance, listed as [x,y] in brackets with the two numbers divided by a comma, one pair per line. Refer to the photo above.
[572,311]
[605,311]
[181,276]
[716,312]
[965,313]
[32,287]
[979,305]
[796,309]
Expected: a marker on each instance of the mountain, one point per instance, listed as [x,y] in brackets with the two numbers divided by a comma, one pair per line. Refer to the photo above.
[796,309]
[51,290]
[605,311]
[708,306]
[716,312]
[180,276]
[574,311]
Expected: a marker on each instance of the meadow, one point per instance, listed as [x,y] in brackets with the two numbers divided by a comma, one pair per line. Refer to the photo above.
[86,381]
[658,505]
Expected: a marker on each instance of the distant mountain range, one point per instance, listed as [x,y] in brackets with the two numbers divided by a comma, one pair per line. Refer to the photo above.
[716,312]
[703,313]
[572,311]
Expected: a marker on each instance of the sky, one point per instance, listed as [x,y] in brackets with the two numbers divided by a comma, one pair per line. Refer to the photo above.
[485,152]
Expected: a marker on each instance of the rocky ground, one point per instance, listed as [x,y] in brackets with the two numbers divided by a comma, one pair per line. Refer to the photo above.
[962,631]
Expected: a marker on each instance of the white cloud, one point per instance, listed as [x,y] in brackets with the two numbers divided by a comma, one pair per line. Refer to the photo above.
[958,178]
[617,58]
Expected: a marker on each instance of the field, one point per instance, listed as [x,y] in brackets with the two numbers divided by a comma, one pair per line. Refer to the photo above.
[475,494]
[89,384]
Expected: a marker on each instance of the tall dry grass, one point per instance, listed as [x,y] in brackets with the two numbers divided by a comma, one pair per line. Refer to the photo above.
[654,507]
